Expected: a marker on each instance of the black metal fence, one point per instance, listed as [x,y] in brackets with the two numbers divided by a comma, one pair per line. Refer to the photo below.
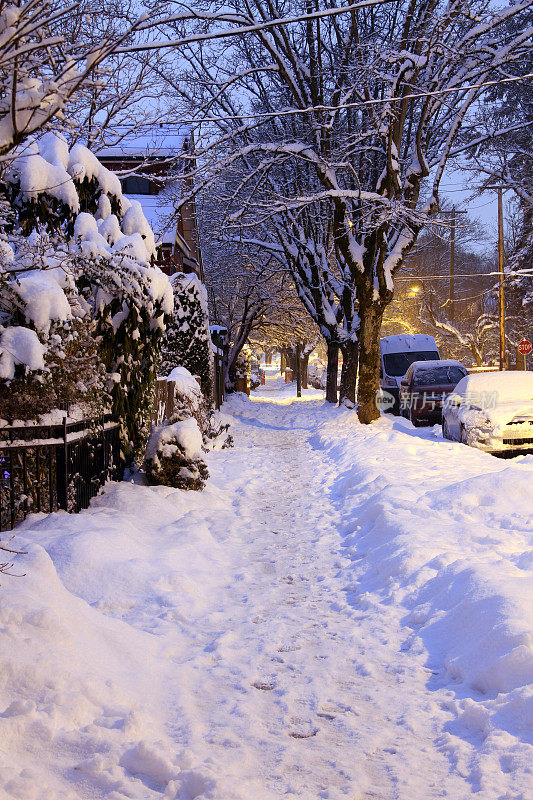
[55,466]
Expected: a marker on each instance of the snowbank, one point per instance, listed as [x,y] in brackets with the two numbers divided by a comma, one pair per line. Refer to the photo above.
[445,532]
[88,679]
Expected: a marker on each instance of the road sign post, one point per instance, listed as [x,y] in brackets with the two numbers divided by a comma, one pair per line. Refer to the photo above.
[522,351]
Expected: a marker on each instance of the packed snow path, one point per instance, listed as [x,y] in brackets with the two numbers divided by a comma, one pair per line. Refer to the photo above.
[248,642]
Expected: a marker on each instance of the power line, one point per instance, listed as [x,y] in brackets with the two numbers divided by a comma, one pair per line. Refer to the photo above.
[359,104]
[252,27]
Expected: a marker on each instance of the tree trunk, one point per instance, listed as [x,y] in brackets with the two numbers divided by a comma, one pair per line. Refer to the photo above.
[303,370]
[283,362]
[367,409]
[350,352]
[298,371]
[292,363]
[332,368]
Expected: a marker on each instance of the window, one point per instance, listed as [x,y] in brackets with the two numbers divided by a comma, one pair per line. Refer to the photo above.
[133,184]
[397,364]
[436,375]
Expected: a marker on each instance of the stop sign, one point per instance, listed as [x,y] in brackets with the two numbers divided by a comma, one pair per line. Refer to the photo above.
[525,347]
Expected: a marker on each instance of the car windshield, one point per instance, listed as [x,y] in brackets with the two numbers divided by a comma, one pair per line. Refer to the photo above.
[397,364]
[437,375]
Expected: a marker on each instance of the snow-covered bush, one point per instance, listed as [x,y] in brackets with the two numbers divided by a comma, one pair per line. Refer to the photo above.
[174,452]
[187,340]
[80,285]
[242,367]
[174,456]
[189,401]
[188,398]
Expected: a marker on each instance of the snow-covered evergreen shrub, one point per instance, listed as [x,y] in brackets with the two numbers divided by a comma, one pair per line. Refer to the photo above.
[189,401]
[187,339]
[174,456]
[242,367]
[76,277]
[174,452]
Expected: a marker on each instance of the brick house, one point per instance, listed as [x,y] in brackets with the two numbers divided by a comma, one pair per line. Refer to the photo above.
[149,156]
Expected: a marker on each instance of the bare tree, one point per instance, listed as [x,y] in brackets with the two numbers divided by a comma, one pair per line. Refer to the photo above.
[40,69]
[380,91]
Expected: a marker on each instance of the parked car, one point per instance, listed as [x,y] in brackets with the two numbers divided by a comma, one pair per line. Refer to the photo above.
[425,386]
[492,411]
[397,353]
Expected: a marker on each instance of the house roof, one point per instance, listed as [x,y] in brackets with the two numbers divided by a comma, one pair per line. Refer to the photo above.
[161,140]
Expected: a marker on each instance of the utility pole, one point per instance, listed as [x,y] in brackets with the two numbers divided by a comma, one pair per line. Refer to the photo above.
[501,291]
[451,300]
[501,295]
[452,267]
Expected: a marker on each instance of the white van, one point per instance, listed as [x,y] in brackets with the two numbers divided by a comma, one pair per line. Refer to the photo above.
[397,353]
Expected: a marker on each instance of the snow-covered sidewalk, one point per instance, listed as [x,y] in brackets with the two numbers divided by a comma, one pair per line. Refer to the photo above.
[344,612]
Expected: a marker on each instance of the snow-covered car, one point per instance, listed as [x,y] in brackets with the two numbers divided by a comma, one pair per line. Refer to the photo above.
[491,411]
[424,388]
[397,353]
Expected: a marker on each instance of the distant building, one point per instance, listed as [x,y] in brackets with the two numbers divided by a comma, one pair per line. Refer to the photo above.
[151,154]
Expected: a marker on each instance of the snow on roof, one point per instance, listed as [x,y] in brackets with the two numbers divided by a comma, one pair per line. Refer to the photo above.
[421,366]
[405,342]
[158,210]
[156,141]
[506,385]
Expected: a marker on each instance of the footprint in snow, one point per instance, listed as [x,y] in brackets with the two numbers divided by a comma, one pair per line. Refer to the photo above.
[302,729]
[288,648]
[264,685]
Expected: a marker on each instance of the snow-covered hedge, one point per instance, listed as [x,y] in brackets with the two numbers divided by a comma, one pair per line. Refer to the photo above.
[174,456]
[77,264]
[174,452]
[187,340]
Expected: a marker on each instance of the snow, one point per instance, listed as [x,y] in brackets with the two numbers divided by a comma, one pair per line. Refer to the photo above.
[490,402]
[164,440]
[185,383]
[510,387]
[405,342]
[37,175]
[43,297]
[427,366]
[159,210]
[84,164]
[149,141]
[19,345]
[344,611]
[191,283]
[135,222]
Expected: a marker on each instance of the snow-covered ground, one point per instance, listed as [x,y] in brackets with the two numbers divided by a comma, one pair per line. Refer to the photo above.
[343,612]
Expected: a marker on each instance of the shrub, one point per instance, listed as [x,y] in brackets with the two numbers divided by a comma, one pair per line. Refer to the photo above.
[174,456]
[187,339]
